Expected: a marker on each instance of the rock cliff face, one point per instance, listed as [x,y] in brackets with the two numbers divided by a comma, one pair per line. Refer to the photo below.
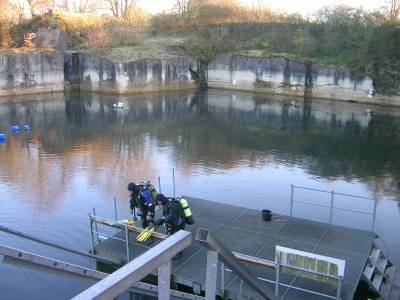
[30,73]
[25,73]
[279,75]
[102,75]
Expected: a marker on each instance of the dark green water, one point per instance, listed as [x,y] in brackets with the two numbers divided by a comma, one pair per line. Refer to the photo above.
[235,148]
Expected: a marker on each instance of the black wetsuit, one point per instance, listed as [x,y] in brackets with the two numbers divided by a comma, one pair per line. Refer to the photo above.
[145,211]
[173,217]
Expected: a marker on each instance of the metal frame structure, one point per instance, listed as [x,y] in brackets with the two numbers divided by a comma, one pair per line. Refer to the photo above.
[157,257]
[95,220]
[339,263]
[215,250]
[332,205]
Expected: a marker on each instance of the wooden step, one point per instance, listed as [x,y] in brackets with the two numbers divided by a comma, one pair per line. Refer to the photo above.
[381,264]
[368,271]
[374,255]
[377,281]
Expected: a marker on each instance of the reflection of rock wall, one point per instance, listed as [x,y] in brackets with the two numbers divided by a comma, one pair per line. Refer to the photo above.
[279,75]
[257,108]
[101,74]
[31,73]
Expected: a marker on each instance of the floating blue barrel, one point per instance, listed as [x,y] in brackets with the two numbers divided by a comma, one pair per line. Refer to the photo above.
[27,128]
[15,128]
[3,138]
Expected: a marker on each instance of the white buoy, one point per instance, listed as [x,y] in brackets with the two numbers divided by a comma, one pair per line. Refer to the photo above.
[118,104]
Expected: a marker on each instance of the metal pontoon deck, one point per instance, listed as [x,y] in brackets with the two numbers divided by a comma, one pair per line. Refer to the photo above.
[243,230]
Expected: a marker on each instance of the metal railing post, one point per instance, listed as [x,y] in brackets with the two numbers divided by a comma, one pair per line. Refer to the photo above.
[277,269]
[164,281]
[128,257]
[374,214]
[159,184]
[91,233]
[222,280]
[291,199]
[115,208]
[331,208]
[173,180]
[339,288]
[211,274]
[95,226]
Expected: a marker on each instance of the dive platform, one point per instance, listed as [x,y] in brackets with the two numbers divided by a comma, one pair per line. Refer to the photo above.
[244,231]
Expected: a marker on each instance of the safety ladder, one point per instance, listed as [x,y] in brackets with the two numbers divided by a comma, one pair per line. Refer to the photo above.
[379,273]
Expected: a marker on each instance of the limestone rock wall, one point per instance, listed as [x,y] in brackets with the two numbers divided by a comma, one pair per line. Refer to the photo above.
[30,73]
[279,75]
[103,75]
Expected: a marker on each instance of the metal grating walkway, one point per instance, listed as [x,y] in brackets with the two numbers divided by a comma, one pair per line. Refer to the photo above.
[243,230]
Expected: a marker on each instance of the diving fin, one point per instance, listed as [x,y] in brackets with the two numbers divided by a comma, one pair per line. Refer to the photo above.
[141,234]
[149,234]
[145,234]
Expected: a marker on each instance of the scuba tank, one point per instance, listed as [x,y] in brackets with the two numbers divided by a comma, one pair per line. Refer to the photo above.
[186,211]
[148,185]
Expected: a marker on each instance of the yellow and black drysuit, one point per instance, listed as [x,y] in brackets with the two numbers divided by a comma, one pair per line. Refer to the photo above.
[173,216]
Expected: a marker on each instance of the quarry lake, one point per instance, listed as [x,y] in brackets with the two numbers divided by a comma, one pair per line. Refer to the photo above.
[238,148]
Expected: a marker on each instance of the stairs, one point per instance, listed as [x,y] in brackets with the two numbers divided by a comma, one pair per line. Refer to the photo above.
[380,273]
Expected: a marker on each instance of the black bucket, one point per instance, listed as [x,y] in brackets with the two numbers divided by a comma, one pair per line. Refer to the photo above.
[266,214]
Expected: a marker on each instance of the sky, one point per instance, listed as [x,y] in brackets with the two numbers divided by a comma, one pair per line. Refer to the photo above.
[304,7]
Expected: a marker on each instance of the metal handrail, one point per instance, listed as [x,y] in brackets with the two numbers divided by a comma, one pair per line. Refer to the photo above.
[332,206]
[53,244]
[309,189]
[353,210]
[157,257]
[119,239]
[115,224]
[311,203]
[328,192]
[290,286]
[30,260]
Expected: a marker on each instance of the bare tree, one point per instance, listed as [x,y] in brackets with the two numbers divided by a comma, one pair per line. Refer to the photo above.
[119,7]
[19,11]
[78,6]
[40,6]
[393,10]
[31,5]
[10,14]
[185,8]
[136,16]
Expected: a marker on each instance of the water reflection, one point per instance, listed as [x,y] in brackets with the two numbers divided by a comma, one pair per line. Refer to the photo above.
[213,131]
[232,147]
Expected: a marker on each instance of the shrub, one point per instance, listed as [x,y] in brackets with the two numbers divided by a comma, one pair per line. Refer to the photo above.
[10,14]
[53,22]
[136,16]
